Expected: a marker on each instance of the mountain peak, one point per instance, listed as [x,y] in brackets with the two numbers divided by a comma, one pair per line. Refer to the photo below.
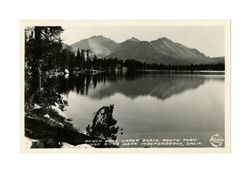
[133,39]
[98,44]
[99,37]
[163,39]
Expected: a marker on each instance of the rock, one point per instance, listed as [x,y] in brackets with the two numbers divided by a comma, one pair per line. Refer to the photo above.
[66,145]
[66,76]
[69,119]
[64,99]
[58,111]
[46,116]
[66,71]
[55,123]
[36,106]
[60,125]
[61,99]
[84,132]
[56,104]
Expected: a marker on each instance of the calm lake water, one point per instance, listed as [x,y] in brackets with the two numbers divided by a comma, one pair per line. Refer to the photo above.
[151,106]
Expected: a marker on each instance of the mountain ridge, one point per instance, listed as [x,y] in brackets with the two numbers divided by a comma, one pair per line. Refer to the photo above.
[161,50]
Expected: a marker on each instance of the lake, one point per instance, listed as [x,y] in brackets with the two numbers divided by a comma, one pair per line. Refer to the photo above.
[157,107]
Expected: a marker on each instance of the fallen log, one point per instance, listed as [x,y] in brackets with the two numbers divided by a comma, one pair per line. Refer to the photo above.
[37,129]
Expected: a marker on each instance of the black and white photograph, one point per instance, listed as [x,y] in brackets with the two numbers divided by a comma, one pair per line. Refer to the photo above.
[141,85]
[125,86]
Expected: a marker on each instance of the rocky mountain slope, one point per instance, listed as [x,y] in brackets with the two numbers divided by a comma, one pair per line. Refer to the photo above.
[158,51]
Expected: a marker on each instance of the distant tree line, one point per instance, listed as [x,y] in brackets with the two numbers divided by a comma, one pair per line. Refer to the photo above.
[67,59]
[137,65]
[78,62]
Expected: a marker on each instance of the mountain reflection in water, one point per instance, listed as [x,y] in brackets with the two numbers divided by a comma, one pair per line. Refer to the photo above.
[130,85]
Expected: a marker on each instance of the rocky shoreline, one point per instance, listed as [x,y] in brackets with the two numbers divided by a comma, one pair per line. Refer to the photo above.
[47,126]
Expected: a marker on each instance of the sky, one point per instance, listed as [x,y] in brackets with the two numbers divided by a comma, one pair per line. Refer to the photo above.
[207,39]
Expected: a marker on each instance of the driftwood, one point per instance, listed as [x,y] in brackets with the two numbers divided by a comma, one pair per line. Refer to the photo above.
[103,124]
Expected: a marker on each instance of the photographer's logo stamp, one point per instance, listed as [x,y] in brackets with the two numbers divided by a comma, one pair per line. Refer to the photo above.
[216,140]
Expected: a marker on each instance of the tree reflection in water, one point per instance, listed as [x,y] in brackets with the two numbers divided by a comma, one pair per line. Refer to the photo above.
[160,86]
